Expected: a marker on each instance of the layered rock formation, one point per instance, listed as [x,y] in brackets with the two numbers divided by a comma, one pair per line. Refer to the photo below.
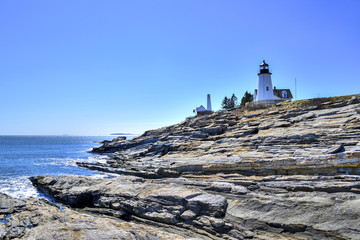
[125,197]
[319,136]
[290,171]
[223,206]
[39,219]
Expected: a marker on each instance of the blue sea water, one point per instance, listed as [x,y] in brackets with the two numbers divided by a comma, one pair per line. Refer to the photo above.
[24,156]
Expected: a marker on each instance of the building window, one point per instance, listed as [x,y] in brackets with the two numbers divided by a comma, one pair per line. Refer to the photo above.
[267,88]
[284,94]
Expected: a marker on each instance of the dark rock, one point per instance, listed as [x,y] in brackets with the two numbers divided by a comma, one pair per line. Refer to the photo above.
[120,138]
[353,100]
[2,232]
[208,204]
[214,130]
[217,222]
[16,231]
[239,190]
[5,206]
[188,215]
[292,114]
[220,187]
[336,149]
[281,124]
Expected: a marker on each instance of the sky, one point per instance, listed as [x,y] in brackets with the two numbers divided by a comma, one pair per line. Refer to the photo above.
[88,67]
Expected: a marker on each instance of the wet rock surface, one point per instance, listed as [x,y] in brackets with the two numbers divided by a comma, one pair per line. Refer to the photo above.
[290,171]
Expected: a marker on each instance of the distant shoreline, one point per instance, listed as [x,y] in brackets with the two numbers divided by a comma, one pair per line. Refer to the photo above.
[122,134]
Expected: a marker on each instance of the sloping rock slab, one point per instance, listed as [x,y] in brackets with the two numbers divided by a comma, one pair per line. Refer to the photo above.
[40,219]
[163,203]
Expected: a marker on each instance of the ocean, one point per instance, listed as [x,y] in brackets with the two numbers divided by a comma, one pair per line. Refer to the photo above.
[24,156]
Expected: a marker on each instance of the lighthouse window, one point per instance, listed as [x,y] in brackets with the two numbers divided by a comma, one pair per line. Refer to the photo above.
[267,88]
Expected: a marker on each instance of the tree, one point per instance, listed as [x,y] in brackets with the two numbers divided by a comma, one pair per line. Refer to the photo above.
[225,103]
[228,103]
[248,97]
[233,101]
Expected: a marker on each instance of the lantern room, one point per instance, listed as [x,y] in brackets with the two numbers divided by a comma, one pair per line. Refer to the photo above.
[264,67]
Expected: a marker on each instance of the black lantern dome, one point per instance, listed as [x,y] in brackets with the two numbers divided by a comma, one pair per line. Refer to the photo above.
[264,67]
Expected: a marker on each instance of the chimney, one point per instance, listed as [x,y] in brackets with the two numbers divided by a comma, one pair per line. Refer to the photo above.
[208,103]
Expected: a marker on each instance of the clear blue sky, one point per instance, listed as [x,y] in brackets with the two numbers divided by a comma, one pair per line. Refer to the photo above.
[98,67]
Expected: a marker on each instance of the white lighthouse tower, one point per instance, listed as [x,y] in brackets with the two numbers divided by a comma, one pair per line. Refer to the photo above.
[265,89]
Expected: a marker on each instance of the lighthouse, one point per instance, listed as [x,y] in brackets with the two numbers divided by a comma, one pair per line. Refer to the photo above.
[265,93]
[265,89]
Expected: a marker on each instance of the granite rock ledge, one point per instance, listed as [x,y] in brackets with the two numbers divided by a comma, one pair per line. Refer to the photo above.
[288,171]
[40,219]
[312,137]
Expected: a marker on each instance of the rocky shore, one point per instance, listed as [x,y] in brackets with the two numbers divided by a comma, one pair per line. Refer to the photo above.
[39,219]
[288,171]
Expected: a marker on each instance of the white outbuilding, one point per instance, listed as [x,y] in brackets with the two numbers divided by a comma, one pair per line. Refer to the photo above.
[202,110]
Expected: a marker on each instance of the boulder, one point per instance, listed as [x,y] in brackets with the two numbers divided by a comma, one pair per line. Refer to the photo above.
[188,215]
[335,149]
[5,206]
[208,204]
[220,187]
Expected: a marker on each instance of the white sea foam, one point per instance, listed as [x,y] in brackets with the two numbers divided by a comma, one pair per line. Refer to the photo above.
[42,155]
[70,161]
[21,187]
[99,159]
[86,150]
[57,162]
[18,187]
